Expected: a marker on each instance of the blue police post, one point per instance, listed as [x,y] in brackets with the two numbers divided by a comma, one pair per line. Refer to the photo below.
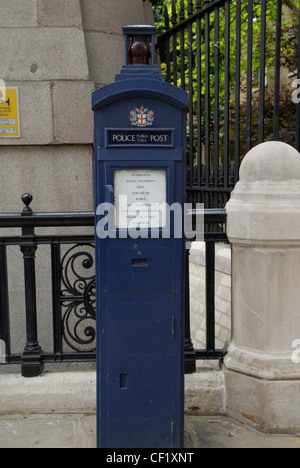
[140,171]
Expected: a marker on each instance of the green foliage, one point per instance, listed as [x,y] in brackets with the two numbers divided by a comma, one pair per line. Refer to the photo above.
[287,118]
[191,59]
[158,10]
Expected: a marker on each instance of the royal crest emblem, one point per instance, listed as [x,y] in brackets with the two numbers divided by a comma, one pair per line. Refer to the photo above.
[142,117]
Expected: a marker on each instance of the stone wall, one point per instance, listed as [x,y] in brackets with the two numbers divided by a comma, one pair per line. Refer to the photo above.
[102,22]
[57,52]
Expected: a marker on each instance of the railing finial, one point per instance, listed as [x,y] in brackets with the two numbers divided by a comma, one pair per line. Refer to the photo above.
[27,199]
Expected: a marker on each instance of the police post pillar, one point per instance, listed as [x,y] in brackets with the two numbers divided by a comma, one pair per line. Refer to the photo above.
[140,174]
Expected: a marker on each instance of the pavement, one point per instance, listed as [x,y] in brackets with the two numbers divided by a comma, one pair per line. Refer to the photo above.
[79,431]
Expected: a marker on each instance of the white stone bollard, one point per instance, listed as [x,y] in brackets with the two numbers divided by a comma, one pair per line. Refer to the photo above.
[262,368]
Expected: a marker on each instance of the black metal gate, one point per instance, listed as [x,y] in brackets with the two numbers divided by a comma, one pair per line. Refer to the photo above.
[239,61]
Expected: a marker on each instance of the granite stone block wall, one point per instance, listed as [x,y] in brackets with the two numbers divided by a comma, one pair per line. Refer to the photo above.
[57,52]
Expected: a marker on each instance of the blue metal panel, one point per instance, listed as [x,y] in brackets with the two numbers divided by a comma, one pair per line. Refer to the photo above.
[116,115]
[145,89]
[140,282]
[142,345]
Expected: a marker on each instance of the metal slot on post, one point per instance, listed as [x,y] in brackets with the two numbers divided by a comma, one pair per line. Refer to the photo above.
[123,381]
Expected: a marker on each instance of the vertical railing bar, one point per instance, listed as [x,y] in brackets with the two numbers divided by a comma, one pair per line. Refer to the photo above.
[30,295]
[182,46]
[216,97]
[168,55]
[199,103]
[175,79]
[174,35]
[227,87]
[4,302]
[182,53]
[56,304]
[189,351]
[277,70]
[249,77]
[210,296]
[32,365]
[237,124]
[262,72]
[216,174]
[191,100]
[167,45]
[207,104]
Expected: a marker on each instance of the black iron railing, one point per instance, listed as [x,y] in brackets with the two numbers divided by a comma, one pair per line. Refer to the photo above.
[214,232]
[73,313]
[73,289]
[239,62]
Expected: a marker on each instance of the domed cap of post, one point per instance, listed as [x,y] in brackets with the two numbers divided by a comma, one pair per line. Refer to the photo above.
[273,161]
[265,204]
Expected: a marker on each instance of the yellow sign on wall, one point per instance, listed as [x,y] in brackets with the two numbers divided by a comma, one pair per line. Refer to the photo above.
[9,113]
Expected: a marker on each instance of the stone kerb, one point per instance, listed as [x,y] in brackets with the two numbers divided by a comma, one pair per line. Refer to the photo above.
[262,380]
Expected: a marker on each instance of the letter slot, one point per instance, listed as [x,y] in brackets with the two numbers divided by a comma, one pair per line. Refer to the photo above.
[123,381]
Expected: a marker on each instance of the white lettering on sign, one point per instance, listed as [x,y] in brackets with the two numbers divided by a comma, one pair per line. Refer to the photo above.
[159,138]
[122,138]
[136,191]
[127,138]
[153,138]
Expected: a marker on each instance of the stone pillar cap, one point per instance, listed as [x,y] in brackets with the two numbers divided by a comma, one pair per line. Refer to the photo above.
[274,161]
[265,204]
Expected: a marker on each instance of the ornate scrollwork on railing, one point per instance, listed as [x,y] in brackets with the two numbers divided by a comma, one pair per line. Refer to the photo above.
[89,299]
[78,298]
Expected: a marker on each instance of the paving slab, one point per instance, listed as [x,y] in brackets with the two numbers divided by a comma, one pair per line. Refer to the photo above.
[224,432]
[48,431]
[79,431]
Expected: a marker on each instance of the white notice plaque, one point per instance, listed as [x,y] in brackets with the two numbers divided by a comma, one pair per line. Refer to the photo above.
[140,198]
